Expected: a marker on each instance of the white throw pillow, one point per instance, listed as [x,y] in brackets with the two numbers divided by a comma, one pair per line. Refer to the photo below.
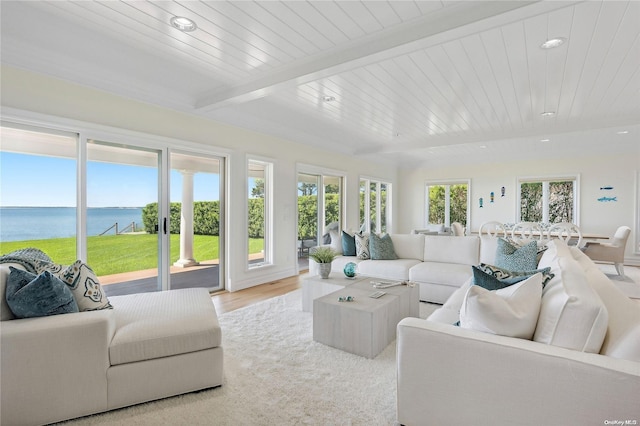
[572,314]
[511,311]
[336,241]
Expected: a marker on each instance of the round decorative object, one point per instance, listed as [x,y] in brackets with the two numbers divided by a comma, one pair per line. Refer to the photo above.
[350,270]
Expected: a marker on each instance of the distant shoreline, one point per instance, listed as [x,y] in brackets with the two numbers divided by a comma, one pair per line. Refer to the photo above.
[41,223]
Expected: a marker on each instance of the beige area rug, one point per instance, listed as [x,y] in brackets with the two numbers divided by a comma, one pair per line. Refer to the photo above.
[275,374]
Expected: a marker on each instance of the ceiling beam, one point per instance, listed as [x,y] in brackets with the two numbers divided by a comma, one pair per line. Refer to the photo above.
[434,28]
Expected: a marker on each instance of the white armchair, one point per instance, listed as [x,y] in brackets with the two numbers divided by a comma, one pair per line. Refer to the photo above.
[611,250]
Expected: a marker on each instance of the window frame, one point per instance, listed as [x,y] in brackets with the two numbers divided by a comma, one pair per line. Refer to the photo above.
[545,180]
[367,204]
[269,165]
[447,183]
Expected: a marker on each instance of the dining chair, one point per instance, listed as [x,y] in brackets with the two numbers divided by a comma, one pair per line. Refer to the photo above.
[567,232]
[493,229]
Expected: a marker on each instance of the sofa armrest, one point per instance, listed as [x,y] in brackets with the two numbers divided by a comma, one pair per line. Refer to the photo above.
[54,368]
[449,375]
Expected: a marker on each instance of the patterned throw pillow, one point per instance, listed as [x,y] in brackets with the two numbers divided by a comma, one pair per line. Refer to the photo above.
[513,258]
[30,295]
[512,277]
[381,248]
[542,245]
[348,244]
[84,285]
[362,246]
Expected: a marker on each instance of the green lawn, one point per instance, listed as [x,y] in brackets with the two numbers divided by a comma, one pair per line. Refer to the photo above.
[112,254]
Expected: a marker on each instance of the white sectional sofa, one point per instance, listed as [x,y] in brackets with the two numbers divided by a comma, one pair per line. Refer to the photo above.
[440,264]
[581,366]
[149,346]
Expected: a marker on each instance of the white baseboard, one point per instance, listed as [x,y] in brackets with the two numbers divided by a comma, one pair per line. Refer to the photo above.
[263,278]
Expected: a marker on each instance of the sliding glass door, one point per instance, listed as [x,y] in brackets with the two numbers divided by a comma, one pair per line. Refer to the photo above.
[123,221]
[196,221]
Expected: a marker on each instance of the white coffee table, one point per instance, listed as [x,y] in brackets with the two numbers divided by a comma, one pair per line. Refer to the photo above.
[365,326]
[313,287]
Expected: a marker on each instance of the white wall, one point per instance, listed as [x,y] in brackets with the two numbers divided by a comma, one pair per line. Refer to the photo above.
[25,91]
[603,218]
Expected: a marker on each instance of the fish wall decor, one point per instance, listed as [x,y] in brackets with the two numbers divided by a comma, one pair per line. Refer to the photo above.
[607,199]
[606,188]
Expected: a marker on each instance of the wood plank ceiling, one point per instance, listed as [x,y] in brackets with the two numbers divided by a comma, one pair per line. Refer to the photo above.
[421,82]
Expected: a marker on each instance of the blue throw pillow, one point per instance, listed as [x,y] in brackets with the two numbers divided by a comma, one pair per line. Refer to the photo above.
[513,258]
[30,295]
[381,248]
[513,277]
[348,244]
[490,282]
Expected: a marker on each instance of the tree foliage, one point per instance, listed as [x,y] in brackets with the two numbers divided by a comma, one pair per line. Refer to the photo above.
[457,204]
[560,201]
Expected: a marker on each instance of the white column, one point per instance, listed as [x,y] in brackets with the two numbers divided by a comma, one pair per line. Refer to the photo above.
[186,222]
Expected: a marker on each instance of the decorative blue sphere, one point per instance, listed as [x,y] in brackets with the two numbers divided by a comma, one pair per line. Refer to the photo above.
[350,270]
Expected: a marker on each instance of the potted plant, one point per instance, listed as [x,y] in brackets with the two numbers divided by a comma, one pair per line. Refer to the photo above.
[323,256]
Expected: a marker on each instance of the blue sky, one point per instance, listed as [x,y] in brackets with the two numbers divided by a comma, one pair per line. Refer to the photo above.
[27,180]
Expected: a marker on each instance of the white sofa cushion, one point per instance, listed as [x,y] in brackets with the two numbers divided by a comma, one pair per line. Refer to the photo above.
[166,323]
[449,249]
[572,314]
[488,248]
[511,311]
[449,313]
[623,329]
[397,269]
[447,274]
[408,246]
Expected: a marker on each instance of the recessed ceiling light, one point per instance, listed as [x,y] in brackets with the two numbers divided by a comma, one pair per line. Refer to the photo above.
[548,113]
[545,140]
[483,146]
[328,98]
[622,132]
[553,42]
[183,24]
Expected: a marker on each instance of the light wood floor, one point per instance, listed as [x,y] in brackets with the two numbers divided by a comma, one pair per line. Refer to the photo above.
[226,301]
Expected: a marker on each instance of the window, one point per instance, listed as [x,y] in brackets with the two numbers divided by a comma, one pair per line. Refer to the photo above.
[375,202]
[548,200]
[259,213]
[38,188]
[447,202]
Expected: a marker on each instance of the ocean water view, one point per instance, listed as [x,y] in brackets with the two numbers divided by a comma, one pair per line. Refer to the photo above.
[36,223]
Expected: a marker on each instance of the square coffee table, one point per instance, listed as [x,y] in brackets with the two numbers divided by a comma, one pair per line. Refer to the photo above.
[313,287]
[365,326]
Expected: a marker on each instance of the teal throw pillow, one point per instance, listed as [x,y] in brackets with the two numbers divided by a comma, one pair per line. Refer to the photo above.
[381,248]
[513,277]
[30,295]
[513,258]
[348,244]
